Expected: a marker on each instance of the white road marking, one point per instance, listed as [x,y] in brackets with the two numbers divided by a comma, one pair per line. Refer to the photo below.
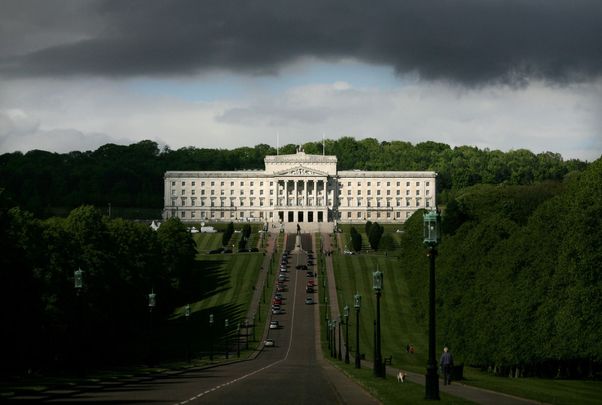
[290,343]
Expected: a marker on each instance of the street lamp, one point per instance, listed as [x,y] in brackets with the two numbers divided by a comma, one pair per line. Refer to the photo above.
[340,347]
[238,340]
[187,314]
[328,331]
[346,316]
[357,304]
[152,302]
[333,327]
[432,236]
[254,326]
[226,324]
[78,284]
[211,337]
[377,285]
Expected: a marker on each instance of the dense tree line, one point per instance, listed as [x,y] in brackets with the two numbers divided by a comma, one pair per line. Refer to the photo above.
[132,176]
[47,323]
[518,276]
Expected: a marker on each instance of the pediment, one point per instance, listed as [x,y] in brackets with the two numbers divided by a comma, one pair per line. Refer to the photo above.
[301,171]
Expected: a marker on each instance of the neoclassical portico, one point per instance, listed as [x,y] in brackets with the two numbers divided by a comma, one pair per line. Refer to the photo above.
[299,188]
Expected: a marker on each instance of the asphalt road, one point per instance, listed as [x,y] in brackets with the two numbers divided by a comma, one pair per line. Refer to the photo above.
[288,373]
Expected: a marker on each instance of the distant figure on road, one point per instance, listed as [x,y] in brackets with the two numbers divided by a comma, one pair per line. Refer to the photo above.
[446,362]
[298,229]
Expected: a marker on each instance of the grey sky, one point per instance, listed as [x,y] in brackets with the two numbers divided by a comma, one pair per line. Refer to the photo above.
[474,52]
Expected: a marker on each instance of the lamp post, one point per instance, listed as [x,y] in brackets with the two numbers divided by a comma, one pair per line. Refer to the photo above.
[333,327]
[346,316]
[253,326]
[78,284]
[357,305]
[377,285]
[431,239]
[339,355]
[226,324]
[238,341]
[152,302]
[247,334]
[187,314]
[211,337]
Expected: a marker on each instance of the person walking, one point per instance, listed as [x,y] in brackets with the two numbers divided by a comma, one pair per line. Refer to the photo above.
[446,362]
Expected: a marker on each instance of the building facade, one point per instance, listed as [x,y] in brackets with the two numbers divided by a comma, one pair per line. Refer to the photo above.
[298,188]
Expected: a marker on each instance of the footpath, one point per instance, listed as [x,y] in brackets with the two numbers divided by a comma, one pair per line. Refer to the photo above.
[456,389]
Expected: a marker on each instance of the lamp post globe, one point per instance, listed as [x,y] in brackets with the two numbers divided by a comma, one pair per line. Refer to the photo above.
[432,236]
[357,299]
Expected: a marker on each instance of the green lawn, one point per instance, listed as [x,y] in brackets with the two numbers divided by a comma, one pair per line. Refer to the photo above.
[208,241]
[399,327]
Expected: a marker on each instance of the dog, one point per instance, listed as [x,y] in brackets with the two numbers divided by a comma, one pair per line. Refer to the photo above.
[401,376]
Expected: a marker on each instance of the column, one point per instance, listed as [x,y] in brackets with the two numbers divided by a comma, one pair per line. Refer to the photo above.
[276,192]
[325,193]
[295,187]
[305,192]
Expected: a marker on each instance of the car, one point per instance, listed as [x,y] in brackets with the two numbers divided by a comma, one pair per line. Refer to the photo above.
[309,289]
[280,288]
[348,252]
[269,343]
[278,295]
[274,325]
[309,274]
[309,300]
[277,301]
[276,311]
[275,306]
[311,283]
[282,277]
[301,267]
[283,269]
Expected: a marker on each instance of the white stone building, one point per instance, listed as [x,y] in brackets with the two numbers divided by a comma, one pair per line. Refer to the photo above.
[297,188]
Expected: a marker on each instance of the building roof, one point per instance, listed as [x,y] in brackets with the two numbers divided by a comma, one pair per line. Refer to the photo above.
[300,157]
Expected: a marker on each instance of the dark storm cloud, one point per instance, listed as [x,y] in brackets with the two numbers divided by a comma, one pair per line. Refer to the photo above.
[466,41]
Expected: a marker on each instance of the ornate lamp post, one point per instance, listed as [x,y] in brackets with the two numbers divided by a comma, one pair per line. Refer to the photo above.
[357,304]
[152,302]
[78,284]
[339,355]
[431,239]
[211,337]
[187,314]
[226,325]
[238,341]
[346,316]
[377,285]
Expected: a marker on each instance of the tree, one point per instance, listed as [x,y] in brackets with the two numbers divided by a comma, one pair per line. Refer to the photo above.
[376,232]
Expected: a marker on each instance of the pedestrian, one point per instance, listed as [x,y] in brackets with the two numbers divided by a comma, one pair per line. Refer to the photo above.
[446,362]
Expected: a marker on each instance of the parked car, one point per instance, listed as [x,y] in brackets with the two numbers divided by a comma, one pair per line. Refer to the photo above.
[309,300]
[348,252]
[276,311]
[309,289]
[274,325]
[277,301]
[269,343]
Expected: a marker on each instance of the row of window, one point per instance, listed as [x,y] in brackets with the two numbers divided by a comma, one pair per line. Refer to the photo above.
[301,202]
[251,183]
[242,215]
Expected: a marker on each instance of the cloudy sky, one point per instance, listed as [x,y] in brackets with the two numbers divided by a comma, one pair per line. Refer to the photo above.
[497,74]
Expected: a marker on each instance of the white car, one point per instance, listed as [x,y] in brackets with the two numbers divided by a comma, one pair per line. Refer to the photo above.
[348,252]
[274,324]
[269,343]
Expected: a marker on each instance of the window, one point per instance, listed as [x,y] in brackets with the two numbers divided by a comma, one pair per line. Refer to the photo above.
[428,203]
[221,214]
[349,215]
[173,183]
[212,183]
[378,184]
[388,192]
[388,184]
[242,192]
[231,184]
[368,184]
[378,192]
[407,184]
[212,192]
[231,192]
[183,191]
[398,214]
[359,192]
[369,192]
[271,192]
[192,191]
[202,183]
[428,183]
[183,214]
[417,192]
[193,186]
[183,183]
[242,183]
[271,183]
[348,192]
[252,192]
[192,214]
[398,192]
[222,192]
[359,183]
[359,214]
[261,192]
[398,184]
[261,183]
[173,192]
[407,192]
[348,184]
[251,184]
[417,184]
